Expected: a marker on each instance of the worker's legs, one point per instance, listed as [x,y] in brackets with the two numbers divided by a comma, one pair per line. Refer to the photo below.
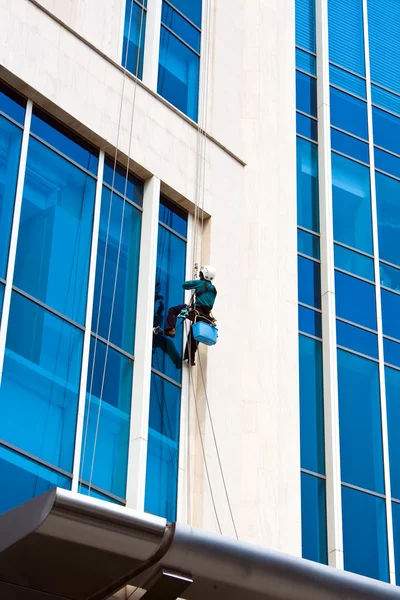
[191,347]
[170,323]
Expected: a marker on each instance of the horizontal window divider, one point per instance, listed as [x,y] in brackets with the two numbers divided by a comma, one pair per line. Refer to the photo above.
[356,325]
[354,250]
[310,335]
[388,289]
[387,174]
[386,262]
[337,87]
[318,310]
[303,137]
[8,118]
[180,39]
[141,6]
[385,88]
[48,308]
[117,193]
[351,351]
[360,162]
[95,488]
[305,50]
[34,458]
[172,231]
[387,151]
[316,260]
[348,70]
[3,281]
[396,500]
[309,231]
[356,137]
[113,346]
[67,158]
[313,473]
[182,15]
[364,490]
[307,115]
[397,368]
[306,73]
[156,372]
[387,110]
[391,339]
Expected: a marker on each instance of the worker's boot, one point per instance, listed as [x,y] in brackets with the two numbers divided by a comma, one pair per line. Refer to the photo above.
[169,332]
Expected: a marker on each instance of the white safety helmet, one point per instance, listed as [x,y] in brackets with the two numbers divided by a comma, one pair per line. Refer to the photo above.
[208,272]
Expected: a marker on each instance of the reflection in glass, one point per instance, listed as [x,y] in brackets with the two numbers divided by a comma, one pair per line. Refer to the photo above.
[306,93]
[307,243]
[309,282]
[355,300]
[313,519]
[307,185]
[354,262]
[387,200]
[310,321]
[356,339]
[134,27]
[349,113]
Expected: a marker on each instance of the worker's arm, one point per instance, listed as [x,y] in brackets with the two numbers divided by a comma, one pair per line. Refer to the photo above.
[196,284]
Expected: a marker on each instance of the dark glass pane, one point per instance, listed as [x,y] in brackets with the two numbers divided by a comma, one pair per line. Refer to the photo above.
[309,282]
[65,141]
[12,104]
[119,287]
[392,380]
[306,126]
[386,130]
[40,385]
[174,217]
[191,10]
[352,221]
[134,27]
[105,443]
[171,257]
[1,299]
[313,519]
[55,232]
[181,27]
[387,162]
[355,300]
[349,145]
[310,321]
[364,534]
[356,339]
[83,489]
[162,451]
[347,81]
[354,262]
[396,535]
[360,422]
[349,113]
[390,277]
[178,74]
[25,479]
[307,243]
[392,353]
[306,62]
[388,202]
[10,146]
[391,314]
[311,405]
[307,185]
[306,93]
[130,187]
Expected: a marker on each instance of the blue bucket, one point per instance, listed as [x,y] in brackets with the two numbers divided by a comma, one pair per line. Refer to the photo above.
[205,333]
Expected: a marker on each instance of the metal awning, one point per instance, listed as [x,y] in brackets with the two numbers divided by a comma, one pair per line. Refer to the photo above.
[66,546]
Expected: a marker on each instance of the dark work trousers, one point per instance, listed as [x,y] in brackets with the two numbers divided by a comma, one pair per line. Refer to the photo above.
[191,345]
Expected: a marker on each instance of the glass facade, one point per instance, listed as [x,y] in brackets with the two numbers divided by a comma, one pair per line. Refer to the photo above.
[134,36]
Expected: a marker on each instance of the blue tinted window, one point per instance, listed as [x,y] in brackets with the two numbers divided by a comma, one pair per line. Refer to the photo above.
[170,274]
[385,99]
[191,10]
[25,479]
[162,451]
[352,221]
[306,62]
[310,321]
[105,455]
[305,24]
[392,353]
[354,262]
[347,81]
[55,231]
[309,281]
[346,34]
[10,146]
[386,130]
[387,162]
[349,113]
[313,519]
[11,104]
[117,179]
[1,299]
[349,145]
[355,300]
[391,314]
[307,185]
[134,28]
[306,93]
[390,277]
[311,405]
[392,379]
[388,201]
[183,29]
[307,243]
[84,489]
[124,250]
[360,422]
[65,141]
[396,532]
[306,126]
[178,74]
[384,41]
[356,339]
[364,534]
[174,217]
[40,386]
